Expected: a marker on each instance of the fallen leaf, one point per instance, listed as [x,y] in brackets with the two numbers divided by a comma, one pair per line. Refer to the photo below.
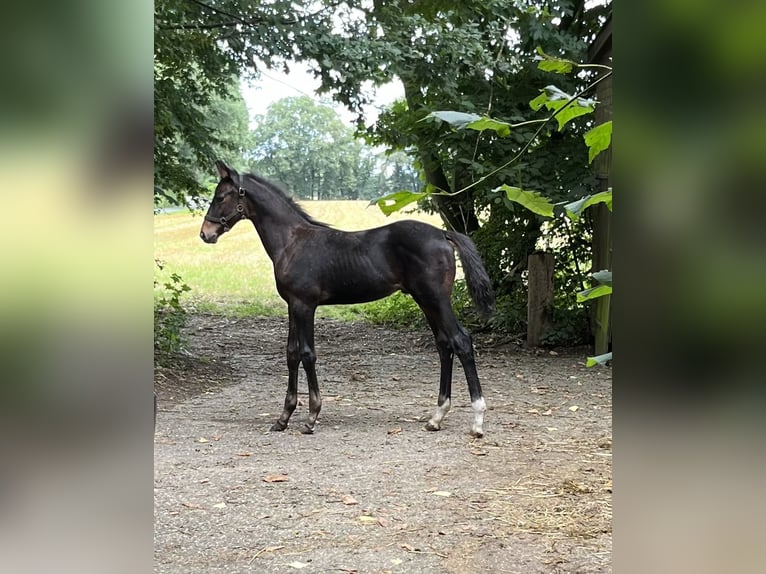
[220,505]
[297,565]
[551,429]
[573,408]
[408,547]
[396,561]
[479,452]
[552,353]
[396,430]
[204,480]
[382,522]
[216,437]
[364,519]
[534,411]
[275,478]
[349,500]
[244,454]
[547,413]
[192,506]
[395,378]
[202,439]
[442,493]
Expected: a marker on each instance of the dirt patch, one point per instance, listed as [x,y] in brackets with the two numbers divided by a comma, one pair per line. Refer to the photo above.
[371,491]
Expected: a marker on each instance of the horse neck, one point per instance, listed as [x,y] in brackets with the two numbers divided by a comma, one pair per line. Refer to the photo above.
[274,220]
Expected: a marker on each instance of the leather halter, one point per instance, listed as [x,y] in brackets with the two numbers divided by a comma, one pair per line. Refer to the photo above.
[228,222]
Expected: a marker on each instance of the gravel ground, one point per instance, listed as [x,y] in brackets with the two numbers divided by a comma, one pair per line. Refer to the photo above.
[371,491]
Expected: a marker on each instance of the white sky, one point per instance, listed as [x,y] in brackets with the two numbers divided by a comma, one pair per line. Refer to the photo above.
[273,86]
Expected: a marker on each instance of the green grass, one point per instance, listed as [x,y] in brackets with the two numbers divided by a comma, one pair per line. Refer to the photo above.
[235,276]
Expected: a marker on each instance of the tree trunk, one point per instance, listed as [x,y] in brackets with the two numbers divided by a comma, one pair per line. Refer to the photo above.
[457,212]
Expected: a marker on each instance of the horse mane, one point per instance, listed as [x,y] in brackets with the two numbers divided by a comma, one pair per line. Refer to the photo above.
[282,194]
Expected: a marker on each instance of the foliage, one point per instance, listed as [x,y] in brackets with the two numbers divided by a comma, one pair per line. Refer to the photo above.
[400,310]
[169,314]
[397,310]
[473,56]
[200,47]
[306,147]
[564,108]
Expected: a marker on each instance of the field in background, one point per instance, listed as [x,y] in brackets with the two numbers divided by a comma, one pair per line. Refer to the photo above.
[235,276]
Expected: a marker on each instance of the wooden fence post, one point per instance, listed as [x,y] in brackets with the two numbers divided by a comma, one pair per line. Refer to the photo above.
[539,297]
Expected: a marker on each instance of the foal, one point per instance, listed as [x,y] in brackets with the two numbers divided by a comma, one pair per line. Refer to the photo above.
[315,264]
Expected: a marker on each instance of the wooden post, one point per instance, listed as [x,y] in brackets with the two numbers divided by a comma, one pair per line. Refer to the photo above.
[539,297]
[602,260]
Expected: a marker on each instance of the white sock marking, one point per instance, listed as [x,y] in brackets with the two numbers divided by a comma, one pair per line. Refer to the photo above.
[479,406]
[439,414]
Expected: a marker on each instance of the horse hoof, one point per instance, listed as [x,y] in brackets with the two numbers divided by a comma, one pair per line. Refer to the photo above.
[431,427]
[306,429]
[277,427]
[476,434]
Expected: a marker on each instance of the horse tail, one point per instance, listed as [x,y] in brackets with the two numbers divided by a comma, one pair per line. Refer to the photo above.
[479,285]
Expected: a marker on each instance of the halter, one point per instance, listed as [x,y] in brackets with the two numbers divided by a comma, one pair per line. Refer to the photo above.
[240,213]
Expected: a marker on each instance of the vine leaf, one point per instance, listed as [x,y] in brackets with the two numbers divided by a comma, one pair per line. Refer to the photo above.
[598,139]
[575,209]
[532,200]
[462,120]
[594,293]
[552,64]
[392,202]
[598,360]
[566,108]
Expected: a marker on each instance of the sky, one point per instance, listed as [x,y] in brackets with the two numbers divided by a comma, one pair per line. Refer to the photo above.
[273,86]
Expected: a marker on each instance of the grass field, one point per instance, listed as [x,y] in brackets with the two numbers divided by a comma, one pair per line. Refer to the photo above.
[235,276]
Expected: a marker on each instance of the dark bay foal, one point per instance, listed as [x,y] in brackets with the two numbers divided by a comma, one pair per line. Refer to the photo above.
[315,264]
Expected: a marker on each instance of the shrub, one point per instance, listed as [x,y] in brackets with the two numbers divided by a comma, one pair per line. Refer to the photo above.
[169,314]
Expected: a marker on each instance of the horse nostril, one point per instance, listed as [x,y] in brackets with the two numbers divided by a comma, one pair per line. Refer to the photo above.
[202,235]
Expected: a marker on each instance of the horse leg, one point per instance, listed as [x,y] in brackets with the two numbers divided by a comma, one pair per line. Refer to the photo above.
[445,384]
[463,346]
[293,360]
[304,321]
[452,338]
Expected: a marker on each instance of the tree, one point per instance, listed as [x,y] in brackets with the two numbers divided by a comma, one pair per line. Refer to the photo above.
[306,147]
[199,46]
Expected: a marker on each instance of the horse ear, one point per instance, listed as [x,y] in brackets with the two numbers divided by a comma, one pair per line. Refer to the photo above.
[223,169]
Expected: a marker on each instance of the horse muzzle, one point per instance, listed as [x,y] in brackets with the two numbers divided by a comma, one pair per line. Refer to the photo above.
[209,232]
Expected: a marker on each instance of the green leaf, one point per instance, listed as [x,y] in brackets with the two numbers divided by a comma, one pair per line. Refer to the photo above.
[503,129]
[598,360]
[538,102]
[598,139]
[575,209]
[561,103]
[553,64]
[603,276]
[594,293]
[392,202]
[532,200]
[460,120]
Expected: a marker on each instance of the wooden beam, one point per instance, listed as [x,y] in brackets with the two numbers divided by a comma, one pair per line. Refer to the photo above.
[539,297]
